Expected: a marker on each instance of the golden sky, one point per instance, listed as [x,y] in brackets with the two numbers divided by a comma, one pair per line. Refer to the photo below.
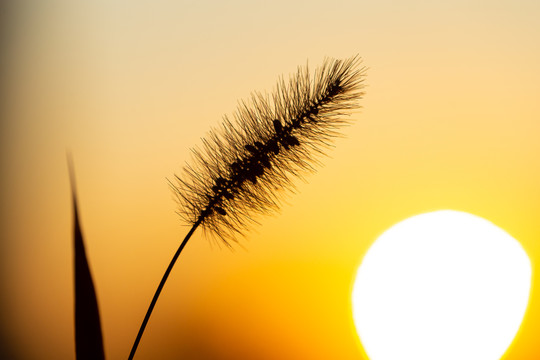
[450,120]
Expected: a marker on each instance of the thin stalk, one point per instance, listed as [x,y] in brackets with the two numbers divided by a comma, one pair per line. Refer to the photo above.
[159,288]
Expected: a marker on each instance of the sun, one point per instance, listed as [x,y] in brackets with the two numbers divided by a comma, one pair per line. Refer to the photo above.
[441,285]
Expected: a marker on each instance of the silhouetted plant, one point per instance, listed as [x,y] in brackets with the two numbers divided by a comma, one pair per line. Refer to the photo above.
[88,335]
[243,166]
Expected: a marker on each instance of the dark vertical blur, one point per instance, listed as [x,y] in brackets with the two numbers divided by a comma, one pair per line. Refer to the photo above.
[8,28]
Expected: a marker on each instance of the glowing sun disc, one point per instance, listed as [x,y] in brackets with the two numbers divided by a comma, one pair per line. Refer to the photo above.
[441,285]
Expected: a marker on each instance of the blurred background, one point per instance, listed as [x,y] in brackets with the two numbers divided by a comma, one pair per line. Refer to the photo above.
[450,120]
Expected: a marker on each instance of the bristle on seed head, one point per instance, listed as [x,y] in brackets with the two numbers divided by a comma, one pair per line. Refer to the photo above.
[243,166]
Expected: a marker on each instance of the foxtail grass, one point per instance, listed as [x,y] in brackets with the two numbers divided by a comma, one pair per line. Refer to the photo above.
[243,168]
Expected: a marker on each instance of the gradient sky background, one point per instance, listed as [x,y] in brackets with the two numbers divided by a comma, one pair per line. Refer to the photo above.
[451,120]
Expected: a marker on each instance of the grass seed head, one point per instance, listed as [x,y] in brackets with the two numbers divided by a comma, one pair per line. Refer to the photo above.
[242,167]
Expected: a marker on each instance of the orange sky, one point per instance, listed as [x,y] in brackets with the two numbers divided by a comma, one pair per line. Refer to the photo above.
[450,121]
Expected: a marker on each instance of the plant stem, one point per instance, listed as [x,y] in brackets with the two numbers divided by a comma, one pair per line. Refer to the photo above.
[159,288]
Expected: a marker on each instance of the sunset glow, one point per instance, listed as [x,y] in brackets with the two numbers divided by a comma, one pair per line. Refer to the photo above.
[442,285]
[449,120]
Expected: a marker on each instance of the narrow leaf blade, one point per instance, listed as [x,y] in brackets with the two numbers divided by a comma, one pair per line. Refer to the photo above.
[88,336]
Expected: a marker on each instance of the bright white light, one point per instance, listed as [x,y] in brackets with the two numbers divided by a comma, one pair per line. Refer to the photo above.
[442,285]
